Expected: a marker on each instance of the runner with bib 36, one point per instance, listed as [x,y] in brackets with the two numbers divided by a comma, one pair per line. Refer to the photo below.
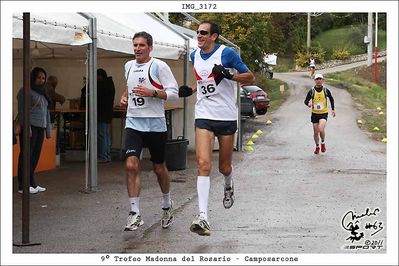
[215,114]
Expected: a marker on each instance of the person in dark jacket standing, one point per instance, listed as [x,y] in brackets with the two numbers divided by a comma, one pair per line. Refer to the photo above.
[105,105]
[39,123]
[50,86]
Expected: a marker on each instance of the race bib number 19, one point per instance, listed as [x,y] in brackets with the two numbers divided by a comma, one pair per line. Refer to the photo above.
[136,102]
[206,87]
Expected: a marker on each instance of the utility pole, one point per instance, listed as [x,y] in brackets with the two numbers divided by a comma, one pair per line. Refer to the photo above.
[308,36]
[370,39]
[310,14]
[376,47]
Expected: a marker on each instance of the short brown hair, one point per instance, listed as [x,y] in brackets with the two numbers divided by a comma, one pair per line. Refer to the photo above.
[144,35]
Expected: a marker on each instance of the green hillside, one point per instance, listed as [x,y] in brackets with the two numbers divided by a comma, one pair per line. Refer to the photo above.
[350,38]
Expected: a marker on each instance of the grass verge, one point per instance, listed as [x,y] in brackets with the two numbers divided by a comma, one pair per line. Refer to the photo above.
[272,87]
[370,99]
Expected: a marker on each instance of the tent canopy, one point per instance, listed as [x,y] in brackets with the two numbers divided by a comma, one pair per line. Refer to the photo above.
[114,32]
[59,28]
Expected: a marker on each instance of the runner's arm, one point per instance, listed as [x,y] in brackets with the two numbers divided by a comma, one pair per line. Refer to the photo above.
[231,59]
[170,88]
[308,98]
[247,77]
[329,95]
[123,101]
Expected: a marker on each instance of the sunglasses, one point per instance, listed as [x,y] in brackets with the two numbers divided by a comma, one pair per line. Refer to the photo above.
[318,78]
[203,32]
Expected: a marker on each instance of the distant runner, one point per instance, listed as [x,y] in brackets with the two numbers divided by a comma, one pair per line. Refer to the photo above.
[317,100]
[312,66]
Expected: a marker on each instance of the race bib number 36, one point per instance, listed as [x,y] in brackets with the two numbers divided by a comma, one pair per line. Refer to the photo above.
[206,87]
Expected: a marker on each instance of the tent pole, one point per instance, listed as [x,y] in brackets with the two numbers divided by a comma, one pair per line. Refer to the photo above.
[93,105]
[239,121]
[25,134]
[26,128]
[185,78]
[91,185]
[87,144]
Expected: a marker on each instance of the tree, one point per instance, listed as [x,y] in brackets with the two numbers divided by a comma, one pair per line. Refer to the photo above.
[249,31]
[282,33]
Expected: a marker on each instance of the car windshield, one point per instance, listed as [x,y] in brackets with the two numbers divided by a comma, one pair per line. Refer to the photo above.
[252,88]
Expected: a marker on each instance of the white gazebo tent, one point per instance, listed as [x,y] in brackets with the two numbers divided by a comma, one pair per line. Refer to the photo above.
[73,34]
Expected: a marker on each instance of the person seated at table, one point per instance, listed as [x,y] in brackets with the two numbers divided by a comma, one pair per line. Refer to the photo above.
[105,105]
[55,97]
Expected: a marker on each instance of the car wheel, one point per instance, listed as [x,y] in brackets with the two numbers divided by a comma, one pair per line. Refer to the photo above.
[253,114]
[261,112]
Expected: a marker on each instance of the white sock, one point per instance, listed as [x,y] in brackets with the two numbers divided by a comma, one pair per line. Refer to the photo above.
[203,185]
[166,200]
[228,179]
[135,204]
[322,141]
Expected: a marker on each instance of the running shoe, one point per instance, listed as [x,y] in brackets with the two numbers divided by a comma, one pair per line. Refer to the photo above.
[323,147]
[40,189]
[228,199]
[317,150]
[134,221]
[200,226]
[32,190]
[167,216]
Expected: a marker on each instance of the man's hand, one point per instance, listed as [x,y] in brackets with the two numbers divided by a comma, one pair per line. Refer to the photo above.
[185,91]
[123,101]
[142,91]
[333,113]
[221,71]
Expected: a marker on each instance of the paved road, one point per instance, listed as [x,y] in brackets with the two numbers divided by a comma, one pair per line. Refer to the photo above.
[288,200]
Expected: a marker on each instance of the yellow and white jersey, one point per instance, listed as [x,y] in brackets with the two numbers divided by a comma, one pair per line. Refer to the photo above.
[319,104]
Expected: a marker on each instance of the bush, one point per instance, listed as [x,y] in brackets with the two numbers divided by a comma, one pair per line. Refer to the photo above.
[356,37]
[340,54]
[302,57]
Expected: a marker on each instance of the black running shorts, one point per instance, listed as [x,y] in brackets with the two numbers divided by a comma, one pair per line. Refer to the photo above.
[155,141]
[217,127]
[316,117]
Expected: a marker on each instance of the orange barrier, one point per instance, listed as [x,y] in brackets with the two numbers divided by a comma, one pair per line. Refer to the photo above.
[47,155]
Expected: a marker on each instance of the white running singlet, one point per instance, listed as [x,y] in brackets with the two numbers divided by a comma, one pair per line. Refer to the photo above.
[155,75]
[214,101]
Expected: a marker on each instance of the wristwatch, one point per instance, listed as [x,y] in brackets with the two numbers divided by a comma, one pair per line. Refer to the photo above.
[155,93]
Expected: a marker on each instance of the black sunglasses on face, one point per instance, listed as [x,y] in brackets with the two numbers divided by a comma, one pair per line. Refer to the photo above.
[203,32]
